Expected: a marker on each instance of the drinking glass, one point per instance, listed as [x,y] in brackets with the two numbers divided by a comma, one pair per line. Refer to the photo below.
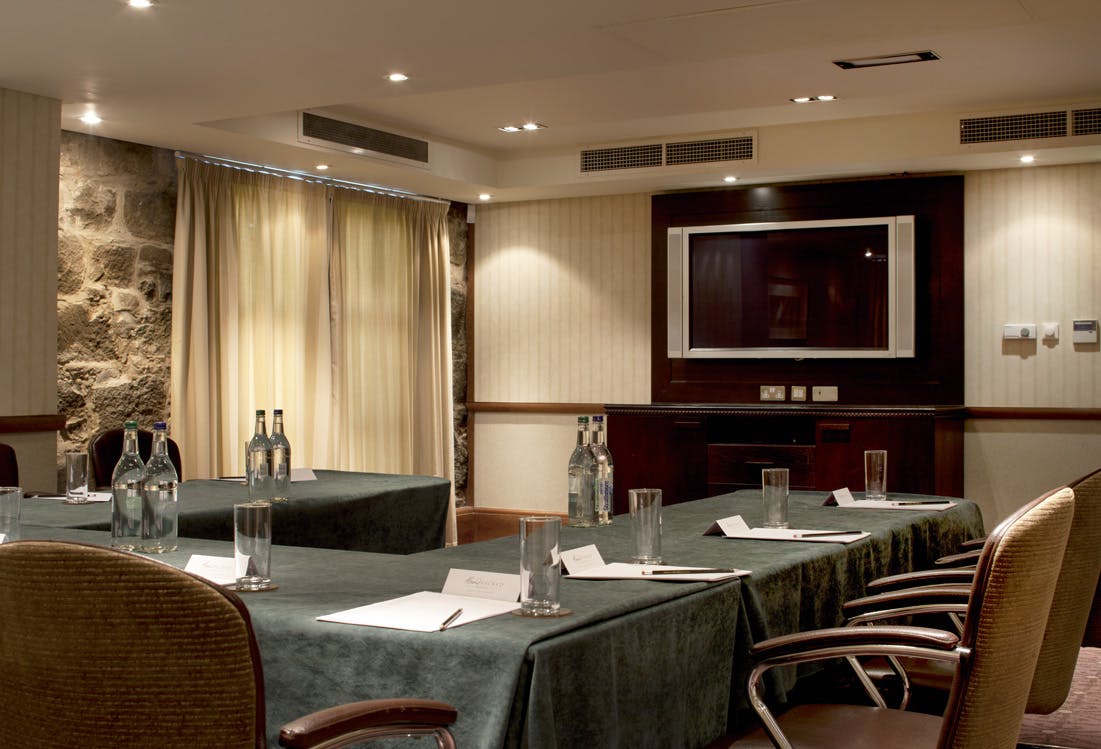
[645,509]
[540,565]
[875,474]
[10,499]
[76,478]
[774,494]
[252,545]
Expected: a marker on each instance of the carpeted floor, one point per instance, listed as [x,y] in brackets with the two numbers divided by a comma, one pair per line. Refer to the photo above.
[1077,723]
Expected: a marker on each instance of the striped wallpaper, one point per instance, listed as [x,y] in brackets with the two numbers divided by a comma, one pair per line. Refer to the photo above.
[1032,255]
[30,135]
[562,301]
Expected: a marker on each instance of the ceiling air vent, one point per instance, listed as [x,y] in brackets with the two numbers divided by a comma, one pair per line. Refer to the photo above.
[1086,121]
[1013,127]
[361,140]
[704,151]
[621,157]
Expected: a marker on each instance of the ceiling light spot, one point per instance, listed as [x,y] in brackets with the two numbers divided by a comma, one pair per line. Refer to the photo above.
[140,3]
[322,167]
[90,118]
[1028,158]
[485,196]
[730,179]
[509,129]
[826,97]
[801,99]
[397,77]
[532,126]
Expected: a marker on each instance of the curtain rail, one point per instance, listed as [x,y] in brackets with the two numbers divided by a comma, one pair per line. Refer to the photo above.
[307,177]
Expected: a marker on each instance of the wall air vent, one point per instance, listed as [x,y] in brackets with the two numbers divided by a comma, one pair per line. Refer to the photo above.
[704,151]
[673,153]
[1086,121]
[361,140]
[1013,127]
[621,157]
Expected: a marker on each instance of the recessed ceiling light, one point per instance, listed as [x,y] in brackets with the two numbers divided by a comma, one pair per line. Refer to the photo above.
[139,3]
[730,178]
[397,77]
[825,97]
[322,167]
[1027,158]
[808,99]
[896,59]
[484,196]
[90,118]
[801,99]
[509,129]
[533,126]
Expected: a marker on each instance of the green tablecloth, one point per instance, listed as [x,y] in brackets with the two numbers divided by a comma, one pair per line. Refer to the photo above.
[638,663]
[379,512]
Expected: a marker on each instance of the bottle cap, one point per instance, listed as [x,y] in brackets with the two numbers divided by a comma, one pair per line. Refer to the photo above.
[130,425]
[582,419]
[259,412]
[160,425]
[598,418]
[277,412]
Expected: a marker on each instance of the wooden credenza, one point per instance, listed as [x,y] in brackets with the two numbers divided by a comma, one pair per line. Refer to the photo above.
[692,451]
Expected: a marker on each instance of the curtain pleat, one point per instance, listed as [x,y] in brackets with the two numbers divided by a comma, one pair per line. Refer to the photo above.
[332,304]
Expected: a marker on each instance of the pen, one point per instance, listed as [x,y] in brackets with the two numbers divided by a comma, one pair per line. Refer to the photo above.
[450,619]
[813,534]
[922,502]
[689,572]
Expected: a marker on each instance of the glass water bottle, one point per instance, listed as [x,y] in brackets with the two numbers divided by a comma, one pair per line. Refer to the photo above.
[582,479]
[258,468]
[126,487]
[160,505]
[604,472]
[280,459]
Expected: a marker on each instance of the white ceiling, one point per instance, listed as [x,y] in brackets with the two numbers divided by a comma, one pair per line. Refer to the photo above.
[225,77]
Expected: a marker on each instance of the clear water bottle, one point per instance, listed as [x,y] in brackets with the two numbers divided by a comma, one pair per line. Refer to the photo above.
[126,486]
[280,459]
[604,472]
[258,468]
[160,507]
[582,479]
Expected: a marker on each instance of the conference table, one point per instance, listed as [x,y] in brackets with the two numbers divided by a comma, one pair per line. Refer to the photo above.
[387,513]
[636,664]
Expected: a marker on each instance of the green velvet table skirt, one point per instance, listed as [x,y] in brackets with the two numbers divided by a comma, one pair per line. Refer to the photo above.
[637,663]
[387,513]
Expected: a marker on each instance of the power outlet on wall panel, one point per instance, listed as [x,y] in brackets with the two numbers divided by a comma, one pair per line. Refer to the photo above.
[798,392]
[824,392]
[773,392]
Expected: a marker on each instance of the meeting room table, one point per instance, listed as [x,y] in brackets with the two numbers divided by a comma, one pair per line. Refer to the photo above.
[387,513]
[637,663]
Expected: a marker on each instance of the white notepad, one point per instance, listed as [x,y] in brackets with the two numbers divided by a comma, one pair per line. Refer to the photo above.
[735,527]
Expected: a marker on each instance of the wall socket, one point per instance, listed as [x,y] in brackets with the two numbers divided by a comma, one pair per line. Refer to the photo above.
[798,392]
[773,392]
[824,392]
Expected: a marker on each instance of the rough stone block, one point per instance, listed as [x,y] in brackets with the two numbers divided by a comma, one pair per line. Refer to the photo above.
[151,214]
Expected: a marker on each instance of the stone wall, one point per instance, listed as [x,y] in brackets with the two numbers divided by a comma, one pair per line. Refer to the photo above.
[116,228]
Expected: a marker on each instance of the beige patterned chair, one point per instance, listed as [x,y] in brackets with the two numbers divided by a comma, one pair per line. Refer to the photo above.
[1067,625]
[102,648]
[994,657]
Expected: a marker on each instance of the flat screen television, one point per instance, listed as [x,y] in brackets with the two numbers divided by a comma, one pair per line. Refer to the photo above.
[841,288]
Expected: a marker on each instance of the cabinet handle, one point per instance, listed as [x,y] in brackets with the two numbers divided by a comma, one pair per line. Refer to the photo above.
[753,462]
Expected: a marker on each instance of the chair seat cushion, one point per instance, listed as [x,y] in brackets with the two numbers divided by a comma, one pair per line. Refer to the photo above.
[850,727]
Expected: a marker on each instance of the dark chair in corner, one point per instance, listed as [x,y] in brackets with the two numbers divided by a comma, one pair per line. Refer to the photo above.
[995,655]
[103,648]
[9,466]
[1068,626]
[105,449]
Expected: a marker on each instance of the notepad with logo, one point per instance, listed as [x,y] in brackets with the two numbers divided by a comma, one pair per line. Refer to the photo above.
[467,596]
[735,527]
[843,498]
[585,563]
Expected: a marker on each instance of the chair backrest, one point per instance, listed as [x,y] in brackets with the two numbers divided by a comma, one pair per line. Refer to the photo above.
[1005,622]
[106,648]
[105,449]
[1074,593]
[9,466]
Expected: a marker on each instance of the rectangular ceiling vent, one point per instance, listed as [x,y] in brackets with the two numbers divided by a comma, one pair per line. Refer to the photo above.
[674,153]
[1086,121]
[1014,127]
[361,140]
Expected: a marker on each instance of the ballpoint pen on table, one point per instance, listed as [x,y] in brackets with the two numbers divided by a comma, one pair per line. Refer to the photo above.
[921,501]
[702,570]
[812,534]
[449,620]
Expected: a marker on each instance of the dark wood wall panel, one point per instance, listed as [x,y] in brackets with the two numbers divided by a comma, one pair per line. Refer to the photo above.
[933,377]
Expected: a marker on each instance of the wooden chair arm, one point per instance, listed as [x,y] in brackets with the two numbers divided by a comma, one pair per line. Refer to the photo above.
[926,599]
[963,559]
[946,576]
[352,723]
[853,637]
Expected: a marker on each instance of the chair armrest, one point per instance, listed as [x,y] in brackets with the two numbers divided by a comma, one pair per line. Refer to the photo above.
[926,599]
[374,718]
[973,543]
[853,638]
[963,559]
[947,576]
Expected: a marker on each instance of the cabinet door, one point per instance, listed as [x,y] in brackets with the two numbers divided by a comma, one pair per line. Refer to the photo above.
[666,452]
[839,457]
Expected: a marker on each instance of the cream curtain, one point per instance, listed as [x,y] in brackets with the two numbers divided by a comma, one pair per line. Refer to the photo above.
[330,303]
